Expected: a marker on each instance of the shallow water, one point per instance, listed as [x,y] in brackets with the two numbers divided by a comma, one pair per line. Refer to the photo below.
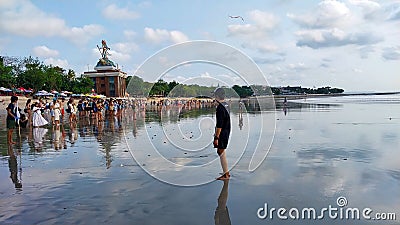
[322,149]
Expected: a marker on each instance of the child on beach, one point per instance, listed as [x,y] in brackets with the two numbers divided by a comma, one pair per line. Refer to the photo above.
[57,112]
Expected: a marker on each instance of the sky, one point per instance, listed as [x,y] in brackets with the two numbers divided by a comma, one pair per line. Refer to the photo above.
[350,44]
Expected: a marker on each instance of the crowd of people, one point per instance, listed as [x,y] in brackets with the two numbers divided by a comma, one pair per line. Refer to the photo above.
[45,112]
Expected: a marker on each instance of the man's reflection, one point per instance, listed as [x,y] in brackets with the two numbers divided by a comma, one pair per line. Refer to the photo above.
[13,166]
[240,120]
[221,216]
[241,108]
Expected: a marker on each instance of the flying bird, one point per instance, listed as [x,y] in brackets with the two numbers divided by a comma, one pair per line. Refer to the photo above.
[236,17]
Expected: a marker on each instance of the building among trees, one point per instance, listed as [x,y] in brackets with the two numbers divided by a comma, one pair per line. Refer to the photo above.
[107,78]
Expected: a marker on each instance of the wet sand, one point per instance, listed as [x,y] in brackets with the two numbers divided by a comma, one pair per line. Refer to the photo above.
[322,149]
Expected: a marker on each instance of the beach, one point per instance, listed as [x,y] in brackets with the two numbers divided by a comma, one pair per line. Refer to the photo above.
[321,149]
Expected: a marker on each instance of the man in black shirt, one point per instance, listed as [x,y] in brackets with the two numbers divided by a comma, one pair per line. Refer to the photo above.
[12,118]
[222,130]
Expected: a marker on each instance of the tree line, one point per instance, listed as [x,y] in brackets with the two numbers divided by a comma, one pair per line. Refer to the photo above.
[31,73]
[140,88]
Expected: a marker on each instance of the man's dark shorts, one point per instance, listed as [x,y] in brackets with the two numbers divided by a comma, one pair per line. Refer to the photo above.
[11,124]
[223,140]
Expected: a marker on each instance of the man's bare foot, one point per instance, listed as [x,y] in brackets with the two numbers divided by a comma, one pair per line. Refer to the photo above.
[225,176]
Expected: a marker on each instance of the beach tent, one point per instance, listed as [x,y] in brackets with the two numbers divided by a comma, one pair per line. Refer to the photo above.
[24,90]
[66,93]
[77,95]
[43,93]
[98,96]
[21,89]
[3,89]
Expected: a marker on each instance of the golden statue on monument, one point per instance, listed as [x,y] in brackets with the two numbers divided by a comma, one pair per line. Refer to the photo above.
[104,61]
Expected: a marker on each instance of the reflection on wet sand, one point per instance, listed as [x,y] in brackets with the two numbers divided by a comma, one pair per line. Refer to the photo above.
[13,166]
[221,216]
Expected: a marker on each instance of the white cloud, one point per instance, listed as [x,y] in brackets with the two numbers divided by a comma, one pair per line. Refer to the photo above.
[44,51]
[82,34]
[333,38]
[357,70]
[365,51]
[63,63]
[157,36]
[393,11]
[260,24]
[369,8]
[169,77]
[263,20]
[256,31]
[329,13]
[268,60]
[391,53]
[145,4]
[125,47]
[25,19]
[115,13]
[117,57]
[262,47]
[297,66]
[178,37]
[205,75]
[129,34]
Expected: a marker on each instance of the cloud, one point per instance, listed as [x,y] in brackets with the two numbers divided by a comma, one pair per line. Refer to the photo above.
[205,75]
[157,36]
[393,11]
[324,65]
[113,12]
[25,19]
[129,34]
[63,63]
[357,70]
[329,13]
[121,51]
[44,51]
[370,8]
[125,47]
[270,60]
[391,53]
[260,24]
[334,38]
[297,66]
[262,47]
[365,51]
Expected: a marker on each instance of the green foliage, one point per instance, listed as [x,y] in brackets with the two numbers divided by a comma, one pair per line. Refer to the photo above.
[32,73]
[82,85]
[243,91]
[160,88]
[135,86]
[300,90]
[6,75]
